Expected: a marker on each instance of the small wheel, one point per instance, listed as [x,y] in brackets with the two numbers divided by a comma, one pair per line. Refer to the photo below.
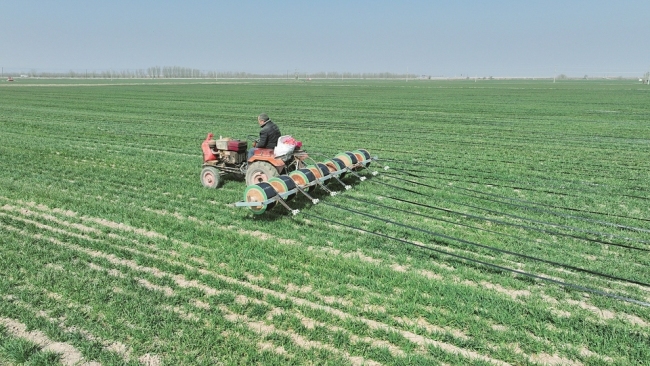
[210,177]
[347,162]
[259,193]
[303,178]
[340,164]
[315,170]
[283,184]
[324,170]
[260,171]
[365,154]
[352,157]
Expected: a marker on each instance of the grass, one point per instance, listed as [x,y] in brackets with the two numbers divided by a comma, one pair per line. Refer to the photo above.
[111,245]
[18,351]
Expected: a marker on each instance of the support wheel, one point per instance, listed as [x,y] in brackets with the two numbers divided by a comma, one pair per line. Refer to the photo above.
[260,171]
[210,177]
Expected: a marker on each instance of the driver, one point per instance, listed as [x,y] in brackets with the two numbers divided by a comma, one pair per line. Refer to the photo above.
[269,134]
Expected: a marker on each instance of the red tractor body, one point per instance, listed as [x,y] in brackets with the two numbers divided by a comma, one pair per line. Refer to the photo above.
[227,155]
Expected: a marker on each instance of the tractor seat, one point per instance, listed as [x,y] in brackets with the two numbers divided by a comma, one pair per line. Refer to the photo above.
[263,152]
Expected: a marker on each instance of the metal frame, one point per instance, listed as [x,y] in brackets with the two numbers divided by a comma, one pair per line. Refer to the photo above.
[281,197]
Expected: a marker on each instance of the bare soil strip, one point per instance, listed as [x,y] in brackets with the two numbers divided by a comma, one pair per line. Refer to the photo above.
[110,345]
[70,356]
[169,292]
[264,330]
[606,314]
[260,235]
[88,229]
[184,283]
[312,324]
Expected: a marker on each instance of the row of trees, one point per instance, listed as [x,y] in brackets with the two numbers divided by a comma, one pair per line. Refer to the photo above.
[184,72]
[158,72]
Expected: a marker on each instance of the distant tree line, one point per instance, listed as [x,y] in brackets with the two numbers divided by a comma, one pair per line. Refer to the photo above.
[162,72]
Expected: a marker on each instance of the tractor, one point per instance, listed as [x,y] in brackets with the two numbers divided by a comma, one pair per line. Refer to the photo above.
[229,156]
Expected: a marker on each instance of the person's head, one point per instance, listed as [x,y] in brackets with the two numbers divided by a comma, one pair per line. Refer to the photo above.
[262,118]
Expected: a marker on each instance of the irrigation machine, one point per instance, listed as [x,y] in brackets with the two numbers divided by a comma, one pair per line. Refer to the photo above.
[276,176]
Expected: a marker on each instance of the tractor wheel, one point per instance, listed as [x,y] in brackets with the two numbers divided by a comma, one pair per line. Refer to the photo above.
[260,171]
[210,177]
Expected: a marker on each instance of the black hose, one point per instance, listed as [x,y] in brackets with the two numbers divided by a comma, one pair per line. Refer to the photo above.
[632,228]
[551,232]
[409,173]
[564,284]
[531,220]
[484,246]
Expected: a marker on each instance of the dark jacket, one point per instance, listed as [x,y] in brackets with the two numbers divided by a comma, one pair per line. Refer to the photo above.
[269,135]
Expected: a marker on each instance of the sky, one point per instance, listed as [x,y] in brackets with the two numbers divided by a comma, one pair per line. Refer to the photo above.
[449,38]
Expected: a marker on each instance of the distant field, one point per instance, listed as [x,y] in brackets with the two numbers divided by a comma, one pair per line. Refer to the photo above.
[113,253]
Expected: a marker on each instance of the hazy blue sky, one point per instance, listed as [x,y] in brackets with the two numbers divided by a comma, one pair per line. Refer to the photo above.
[439,38]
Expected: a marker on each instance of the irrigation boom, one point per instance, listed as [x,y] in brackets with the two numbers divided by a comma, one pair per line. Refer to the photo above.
[263,196]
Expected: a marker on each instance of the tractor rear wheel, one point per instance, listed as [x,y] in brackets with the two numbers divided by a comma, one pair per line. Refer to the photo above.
[210,177]
[260,171]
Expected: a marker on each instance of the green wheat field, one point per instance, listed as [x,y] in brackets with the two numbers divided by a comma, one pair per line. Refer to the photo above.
[512,225]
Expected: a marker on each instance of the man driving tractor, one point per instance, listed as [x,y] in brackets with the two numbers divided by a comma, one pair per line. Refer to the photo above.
[271,155]
[269,134]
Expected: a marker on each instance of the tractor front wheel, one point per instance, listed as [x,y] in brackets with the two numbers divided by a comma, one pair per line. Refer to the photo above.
[260,171]
[210,177]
